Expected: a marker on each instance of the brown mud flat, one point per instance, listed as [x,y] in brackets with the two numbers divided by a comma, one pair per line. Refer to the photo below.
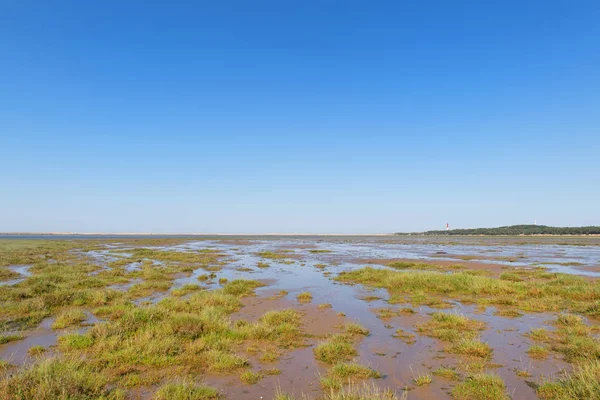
[397,345]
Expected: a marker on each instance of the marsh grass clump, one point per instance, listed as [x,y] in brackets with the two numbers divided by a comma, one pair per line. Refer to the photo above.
[206,277]
[251,377]
[277,256]
[523,373]
[4,365]
[471,348]
[50,379]
[144,344]
[507,276]
[148,288]
[261,264]
[347,371]
[537,292]
[508,313]
[354,328]
[75,341]
[242,287]
[10,338]
[349,392]
[450,327]
[304,297]
[480,387]
[539,334]
[7,274]
[204,258]
[69,318]
[422,379]
[280,317]
[406,265]
[538,352]
[344,373]
[336,349]
[370,298]
[186,289]
[572,337]
[581,383]
[406,337]
[447,373]
[185,390]
[36,350]
[387,313]
[222,361]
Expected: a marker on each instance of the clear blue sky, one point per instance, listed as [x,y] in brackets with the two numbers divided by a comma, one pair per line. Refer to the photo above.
[298,116]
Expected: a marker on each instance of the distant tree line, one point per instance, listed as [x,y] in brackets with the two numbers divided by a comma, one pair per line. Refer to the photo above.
[518,230]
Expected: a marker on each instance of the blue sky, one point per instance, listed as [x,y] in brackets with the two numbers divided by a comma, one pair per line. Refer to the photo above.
[298,116]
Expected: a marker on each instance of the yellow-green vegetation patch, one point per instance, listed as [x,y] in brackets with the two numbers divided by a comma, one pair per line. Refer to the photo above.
[36,350]
[8,274]
[185,390]
[204,257]
[280,255]
[507,276]
[471,348]
[523,373]
[480,387]
[324,305]
[406,265]
[406,337]
[343,373]
[508,313]
[69,318]
[139,345]
[4,365]
[539,334]
[251,377]
[10,338]
[186,289]
[447,373]
[52,379]
[350,392]
[149,287]
[388,313]
[450,327]
[206,277]
[538,352]
[242,287]
[336,348]
[581,383]
[75,341]
[304,297]
[576,340]
[354,328]
[278,295]
[271,371]
[422,379]
[263,265]
[536,293]
[370,298]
